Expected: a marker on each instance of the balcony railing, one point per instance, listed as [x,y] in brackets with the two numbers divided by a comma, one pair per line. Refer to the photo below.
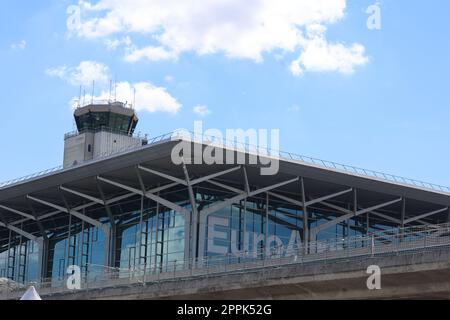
[388,242]
[89,102]
[75,133]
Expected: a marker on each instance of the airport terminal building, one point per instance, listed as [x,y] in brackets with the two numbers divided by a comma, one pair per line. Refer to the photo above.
[123,212]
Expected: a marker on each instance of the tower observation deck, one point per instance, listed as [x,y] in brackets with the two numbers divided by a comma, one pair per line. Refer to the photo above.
[115,117]
[102,128]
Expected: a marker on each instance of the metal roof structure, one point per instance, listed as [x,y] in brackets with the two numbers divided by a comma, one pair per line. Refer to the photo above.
[34,205]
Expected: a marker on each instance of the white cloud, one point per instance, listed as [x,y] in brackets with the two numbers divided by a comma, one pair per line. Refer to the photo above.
[319,55]
[202,111]
[148,97]
[150,53]
[83,74]
[58,72]
[21,45]
[113,44]
[144,95]
[235,28]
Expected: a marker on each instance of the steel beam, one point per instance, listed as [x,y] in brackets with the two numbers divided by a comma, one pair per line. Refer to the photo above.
[403,214]
[103,227]
[224,186]
[266,224]
[70,211]
[351,214]
[123,197]
[83,195]
[20,213]
[108,202]
[246,184]
[39,224]
[192,182]
[324,198]
[163,175]
[287,199]
[388,218]
[311,202]
[106,205]
[54,213]
[191,226]
[306,232]
[335,207]
[19,231]
[425,215]
[213,176]
[375,213]
[149,195]
[222,204]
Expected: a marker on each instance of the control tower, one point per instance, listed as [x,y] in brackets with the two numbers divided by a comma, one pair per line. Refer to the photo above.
[102,129]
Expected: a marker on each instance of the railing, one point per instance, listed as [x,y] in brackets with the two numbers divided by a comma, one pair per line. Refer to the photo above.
[312,161]
[75,133]
[165,137]
[382,243]
[246,147]
[84,103]
[30,177]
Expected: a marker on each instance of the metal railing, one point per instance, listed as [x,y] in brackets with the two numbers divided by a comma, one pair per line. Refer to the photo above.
[246,147]
[386,242]
[88,102]
[249,148]
[75,133]
[126,149]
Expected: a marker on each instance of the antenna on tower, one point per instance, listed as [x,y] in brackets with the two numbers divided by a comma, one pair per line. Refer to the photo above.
[115,88]
[93,92]
[134,98]
[79,98]
[84,97]
[110,91]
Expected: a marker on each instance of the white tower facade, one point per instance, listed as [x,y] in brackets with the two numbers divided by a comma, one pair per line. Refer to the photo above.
[102,129]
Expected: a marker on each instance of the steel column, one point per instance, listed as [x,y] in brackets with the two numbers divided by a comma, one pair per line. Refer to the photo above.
[305,215]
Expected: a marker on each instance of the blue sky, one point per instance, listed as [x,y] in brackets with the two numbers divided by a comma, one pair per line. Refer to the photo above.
[385,108]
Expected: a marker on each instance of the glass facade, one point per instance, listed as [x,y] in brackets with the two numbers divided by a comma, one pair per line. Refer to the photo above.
[156,243]
[84,248]
[105,120]
[267,228]
[155,238]
[20,261]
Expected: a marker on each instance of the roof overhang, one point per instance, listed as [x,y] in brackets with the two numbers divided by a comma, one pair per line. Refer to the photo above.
[160,154]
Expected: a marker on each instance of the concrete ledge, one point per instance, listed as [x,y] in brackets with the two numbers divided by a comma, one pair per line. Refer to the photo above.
[420,274]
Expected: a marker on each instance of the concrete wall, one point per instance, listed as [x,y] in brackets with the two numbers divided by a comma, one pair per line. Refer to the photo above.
[88,146]
[77,150]
[106,143]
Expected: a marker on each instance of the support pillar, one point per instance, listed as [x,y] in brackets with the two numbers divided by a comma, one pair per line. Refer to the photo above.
[266,225]
[191,221]
[43,265]
[305,217]
[110,234]
[403,214]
